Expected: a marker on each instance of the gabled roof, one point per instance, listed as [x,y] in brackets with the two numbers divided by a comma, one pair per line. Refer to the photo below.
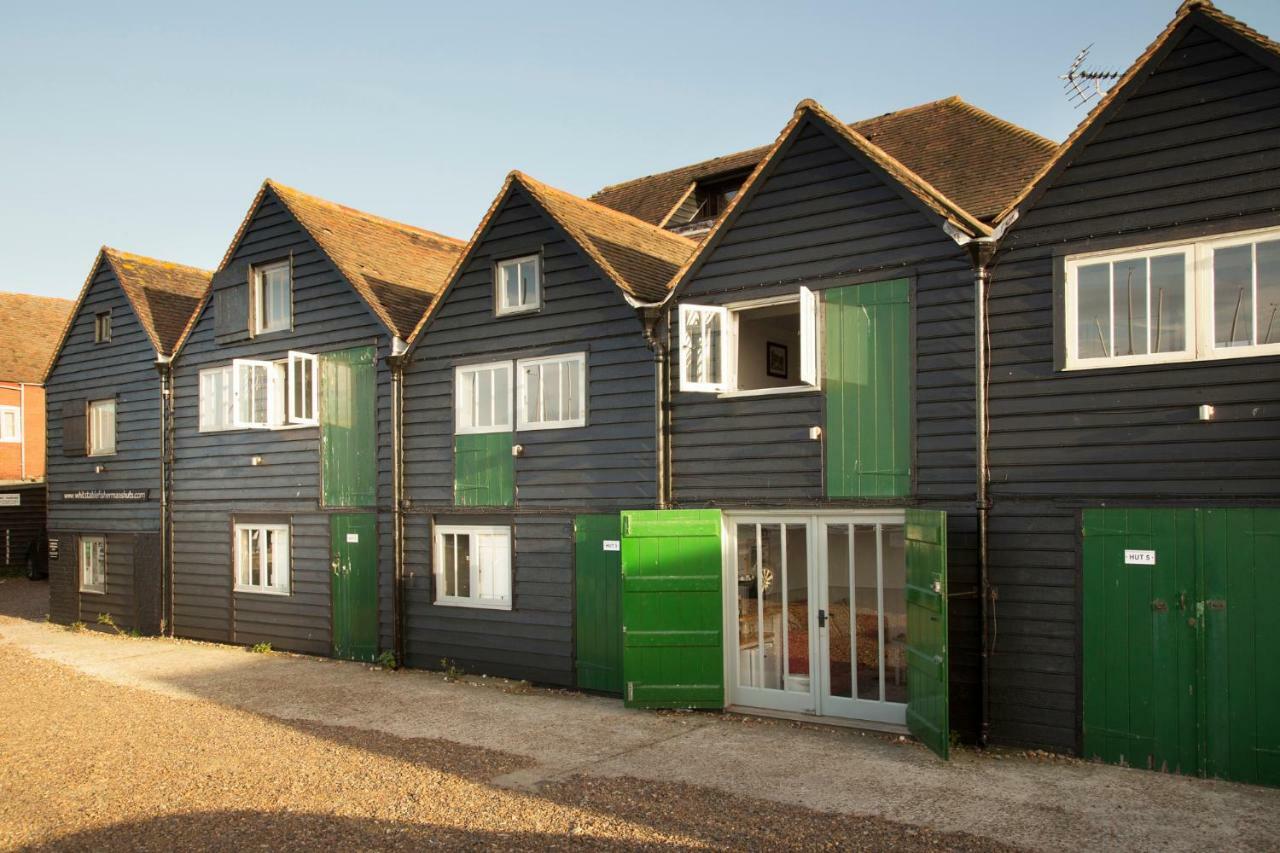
[641,259]
[30,329]
[397,269]
[1190,13]
[165,297]
[973,157]
[913,187]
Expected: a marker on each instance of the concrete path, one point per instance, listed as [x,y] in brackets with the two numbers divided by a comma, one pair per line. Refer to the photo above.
[1048,804]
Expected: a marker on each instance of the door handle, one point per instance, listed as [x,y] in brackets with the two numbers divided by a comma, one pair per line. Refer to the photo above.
[822,618]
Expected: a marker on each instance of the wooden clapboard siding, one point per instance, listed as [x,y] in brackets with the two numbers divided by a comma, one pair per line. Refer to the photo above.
[1195,150]
[215,481]
[607,465]
[823,219]
[123,368]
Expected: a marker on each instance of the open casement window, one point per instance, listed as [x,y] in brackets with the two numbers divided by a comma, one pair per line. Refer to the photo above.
[93,564]
[304,389]
[473,566]
[754,347]
[216,404]
[702,347]
[552,391]
[519,285]
[255,388]
[482,397]
[262,558]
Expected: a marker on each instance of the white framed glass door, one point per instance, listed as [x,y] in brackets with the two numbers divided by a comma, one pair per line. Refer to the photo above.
[815,613]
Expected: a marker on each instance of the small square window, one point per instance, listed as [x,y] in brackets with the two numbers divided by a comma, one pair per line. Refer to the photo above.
[519,285]
[473,566]
[102,327]
[262,557]
[102,427]
[272,298]
[10,423]
[93,564]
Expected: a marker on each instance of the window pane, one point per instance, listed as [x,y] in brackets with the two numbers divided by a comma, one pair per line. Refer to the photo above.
[532,393]
[502,396]
[484,398]
[1169,303]
[269,558]
[1269,292]
[551,392]
[243,557]
[572,392]
[510,285]
[1129,311]
[1233,296]
[255,557]
[1093,311]
[713,332]
[463,577]
[866,643]
[529,282]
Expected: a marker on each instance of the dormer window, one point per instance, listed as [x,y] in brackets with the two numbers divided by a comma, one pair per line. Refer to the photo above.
[519,285]
[272,298]
[706,203]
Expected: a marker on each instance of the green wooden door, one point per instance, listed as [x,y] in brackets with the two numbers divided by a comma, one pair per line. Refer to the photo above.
[598,588]
[354,584]
[672,623]
[348,428]
[1241,582]
[928,703]
[1180,669]
[483,469]
[1140,691]
[867,334]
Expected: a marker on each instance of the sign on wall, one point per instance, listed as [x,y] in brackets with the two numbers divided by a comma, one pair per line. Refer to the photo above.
[1139,558]
[53,549]
[103,495]
[11,499]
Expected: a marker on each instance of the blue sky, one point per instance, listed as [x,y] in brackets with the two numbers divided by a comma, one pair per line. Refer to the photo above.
[149,126]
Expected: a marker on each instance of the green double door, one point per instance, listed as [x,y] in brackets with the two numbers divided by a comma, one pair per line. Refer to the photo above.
[1181,641]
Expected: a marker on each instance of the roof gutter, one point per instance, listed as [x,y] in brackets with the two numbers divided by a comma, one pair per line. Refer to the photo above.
[982,252]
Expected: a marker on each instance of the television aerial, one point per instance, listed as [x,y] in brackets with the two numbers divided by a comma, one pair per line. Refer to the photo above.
[1084,84]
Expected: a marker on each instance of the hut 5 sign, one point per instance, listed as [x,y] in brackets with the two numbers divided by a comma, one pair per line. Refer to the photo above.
[1139,558]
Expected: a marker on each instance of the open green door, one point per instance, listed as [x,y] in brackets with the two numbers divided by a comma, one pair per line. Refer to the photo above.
[672,645]
[354,585]
[597,618]
[928,708]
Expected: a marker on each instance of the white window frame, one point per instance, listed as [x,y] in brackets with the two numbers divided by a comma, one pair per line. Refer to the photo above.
[260,326]
[241,369]
[16,435]
[93,564]
[809,308]
[282,554]
[96,445]
[502,547]
[209,422]
[1199,309]
[300,366]
[1209,348]
[522,396]
[464,414]
[501,307]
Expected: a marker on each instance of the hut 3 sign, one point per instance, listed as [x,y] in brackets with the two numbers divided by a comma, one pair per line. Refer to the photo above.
[1139,558]
[106,495]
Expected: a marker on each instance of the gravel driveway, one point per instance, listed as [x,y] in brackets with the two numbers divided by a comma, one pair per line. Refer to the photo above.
[114,742]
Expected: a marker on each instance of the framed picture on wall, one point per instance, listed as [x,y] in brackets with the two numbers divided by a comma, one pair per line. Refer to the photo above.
[776,360]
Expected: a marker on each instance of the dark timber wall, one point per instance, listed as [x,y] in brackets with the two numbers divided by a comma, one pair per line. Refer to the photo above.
[1194,151]
[607,465]
[821,218]
[123,368]
[214,480]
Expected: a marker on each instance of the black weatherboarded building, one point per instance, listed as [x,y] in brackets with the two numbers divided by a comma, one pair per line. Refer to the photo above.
[108,446]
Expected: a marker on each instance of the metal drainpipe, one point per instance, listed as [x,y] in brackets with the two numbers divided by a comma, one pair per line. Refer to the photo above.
[165,368]
[981,253]
[660,406]
[396,363]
